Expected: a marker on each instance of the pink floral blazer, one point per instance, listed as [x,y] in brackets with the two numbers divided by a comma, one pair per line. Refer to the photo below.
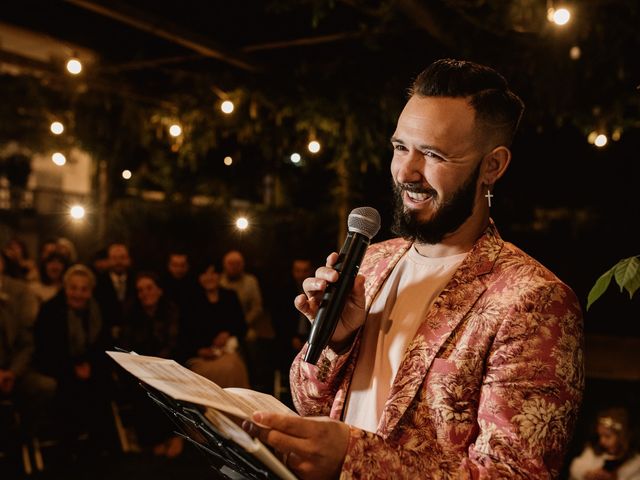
[489,387]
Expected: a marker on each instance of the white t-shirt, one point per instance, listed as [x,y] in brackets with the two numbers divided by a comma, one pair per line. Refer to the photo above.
[392,322]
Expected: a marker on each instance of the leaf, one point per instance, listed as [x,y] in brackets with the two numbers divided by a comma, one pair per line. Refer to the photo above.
[627,274]
[600,287]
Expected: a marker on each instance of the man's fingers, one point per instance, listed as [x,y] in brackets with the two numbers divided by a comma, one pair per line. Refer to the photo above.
[290,424]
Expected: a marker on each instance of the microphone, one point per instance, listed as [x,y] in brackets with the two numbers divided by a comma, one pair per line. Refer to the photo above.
[363,223]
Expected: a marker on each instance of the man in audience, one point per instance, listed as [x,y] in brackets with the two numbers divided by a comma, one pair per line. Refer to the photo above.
[115,289]
[260,334]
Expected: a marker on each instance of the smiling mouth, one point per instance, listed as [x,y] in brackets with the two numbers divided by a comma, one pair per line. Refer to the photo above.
[418,197]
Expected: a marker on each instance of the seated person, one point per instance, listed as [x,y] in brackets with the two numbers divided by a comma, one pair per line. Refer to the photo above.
[611,456]
[211,338]
[27,389]
[70,341]
[151,328]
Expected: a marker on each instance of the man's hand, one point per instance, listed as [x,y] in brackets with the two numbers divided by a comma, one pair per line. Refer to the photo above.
[313,447]
[7,381]
[353,314]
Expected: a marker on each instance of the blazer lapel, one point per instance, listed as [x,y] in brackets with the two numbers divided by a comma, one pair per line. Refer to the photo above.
[449,308]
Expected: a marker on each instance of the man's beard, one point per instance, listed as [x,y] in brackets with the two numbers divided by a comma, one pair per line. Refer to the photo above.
[448,217]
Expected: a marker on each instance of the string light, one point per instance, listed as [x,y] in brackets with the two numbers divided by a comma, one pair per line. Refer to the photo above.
[295,158]
[227,106]
[74,67]
[314,146]
[57,128]
[59,159]
[242,223]
[175,130]
[126,174]
[591,138]
[600,141]
[228,161]
[560,17]
[77,212]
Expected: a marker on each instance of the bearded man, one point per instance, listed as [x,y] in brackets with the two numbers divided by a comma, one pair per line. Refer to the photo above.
[457,354]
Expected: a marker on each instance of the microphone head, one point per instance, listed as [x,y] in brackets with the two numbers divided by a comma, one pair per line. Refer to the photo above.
[364,220]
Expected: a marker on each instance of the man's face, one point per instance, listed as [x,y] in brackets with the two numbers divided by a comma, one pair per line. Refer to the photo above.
[178,266]
[435,167]
[119,259]
[78,291]
[233,264]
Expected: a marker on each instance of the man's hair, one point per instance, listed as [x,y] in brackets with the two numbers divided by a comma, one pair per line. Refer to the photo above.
[497,107]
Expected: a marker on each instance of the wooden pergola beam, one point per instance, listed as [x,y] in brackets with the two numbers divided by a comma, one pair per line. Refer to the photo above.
[164,29]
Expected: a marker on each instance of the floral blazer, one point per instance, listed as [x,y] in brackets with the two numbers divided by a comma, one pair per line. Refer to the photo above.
[489,387]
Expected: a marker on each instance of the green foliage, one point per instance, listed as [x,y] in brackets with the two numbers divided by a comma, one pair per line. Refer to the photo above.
[627,275]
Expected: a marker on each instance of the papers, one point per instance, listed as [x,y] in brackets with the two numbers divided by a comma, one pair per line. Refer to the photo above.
[180,383]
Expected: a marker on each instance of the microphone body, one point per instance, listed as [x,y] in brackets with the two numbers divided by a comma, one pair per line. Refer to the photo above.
[336,294]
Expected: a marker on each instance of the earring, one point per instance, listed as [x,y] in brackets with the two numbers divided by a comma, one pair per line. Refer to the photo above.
[489,196]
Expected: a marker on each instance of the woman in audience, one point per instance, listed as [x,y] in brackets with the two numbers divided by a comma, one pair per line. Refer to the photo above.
[212,338]
[151,328]
[612,456]
[52,269]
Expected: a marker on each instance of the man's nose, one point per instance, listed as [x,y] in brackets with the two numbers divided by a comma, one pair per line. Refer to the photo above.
[410,168]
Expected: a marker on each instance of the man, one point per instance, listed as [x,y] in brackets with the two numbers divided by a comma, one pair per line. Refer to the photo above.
[115,289]
[260,334]
[457,355]
[292,327]
[179,284]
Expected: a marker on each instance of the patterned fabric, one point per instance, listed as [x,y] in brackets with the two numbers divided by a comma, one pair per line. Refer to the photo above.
[489,387]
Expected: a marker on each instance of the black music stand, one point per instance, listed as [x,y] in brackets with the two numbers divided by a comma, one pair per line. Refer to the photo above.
[229,460]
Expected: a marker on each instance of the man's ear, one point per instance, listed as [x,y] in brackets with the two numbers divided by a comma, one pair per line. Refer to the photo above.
[495,163]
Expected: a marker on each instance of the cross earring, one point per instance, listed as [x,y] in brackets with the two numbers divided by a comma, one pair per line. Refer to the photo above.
[489,196]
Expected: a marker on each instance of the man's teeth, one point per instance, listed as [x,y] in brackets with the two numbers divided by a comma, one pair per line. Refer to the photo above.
[417,197]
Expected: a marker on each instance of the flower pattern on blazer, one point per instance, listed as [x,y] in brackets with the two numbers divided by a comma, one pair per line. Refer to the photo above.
[489,387]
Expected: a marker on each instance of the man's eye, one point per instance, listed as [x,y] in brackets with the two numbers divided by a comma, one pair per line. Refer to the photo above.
[432,155]
[400,148]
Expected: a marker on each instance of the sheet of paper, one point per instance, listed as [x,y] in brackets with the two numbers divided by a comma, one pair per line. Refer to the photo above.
[179,382]
[250,401]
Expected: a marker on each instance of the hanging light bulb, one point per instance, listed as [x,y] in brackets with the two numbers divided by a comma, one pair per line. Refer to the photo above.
[227,106]
[314,146]
[175,130]
[560,16]
[59,159]
[57,128]
[601,140]
[74,66]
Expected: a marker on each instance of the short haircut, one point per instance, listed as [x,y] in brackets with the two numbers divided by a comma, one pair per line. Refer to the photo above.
[496,106]
[79,269]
